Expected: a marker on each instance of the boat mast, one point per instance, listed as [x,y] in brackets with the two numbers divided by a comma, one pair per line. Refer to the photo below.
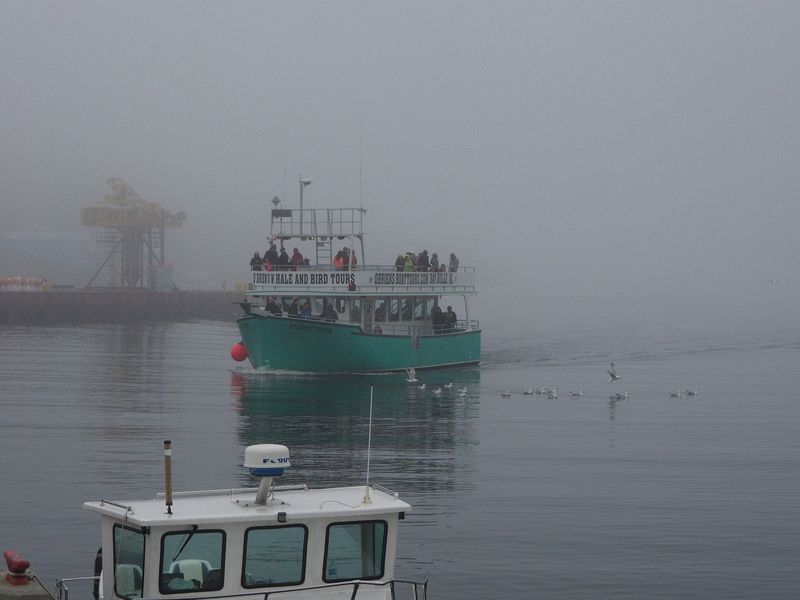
[303,184]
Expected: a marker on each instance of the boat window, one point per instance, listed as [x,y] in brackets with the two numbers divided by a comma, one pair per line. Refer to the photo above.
[128,562]
[192,561]
[340,304]
[394,309]
[407,309]
[420,309]
[355,311]
[274,556]
[317,306]
[355,551]
[380,310]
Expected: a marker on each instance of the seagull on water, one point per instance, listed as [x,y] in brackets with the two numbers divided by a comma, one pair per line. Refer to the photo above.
[577,394]
[505,394]
[462,393]
[421,386]
[412,375]
[619,396]
[677,394]
[691,392]
[612,374]
[448,385]
[437,391]
[528,392]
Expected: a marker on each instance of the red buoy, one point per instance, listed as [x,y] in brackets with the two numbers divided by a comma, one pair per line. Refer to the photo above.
[238,352]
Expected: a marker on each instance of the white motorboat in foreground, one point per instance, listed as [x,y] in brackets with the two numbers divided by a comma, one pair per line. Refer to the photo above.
[272,542]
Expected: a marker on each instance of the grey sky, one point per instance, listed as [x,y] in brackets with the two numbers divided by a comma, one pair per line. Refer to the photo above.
[591,158]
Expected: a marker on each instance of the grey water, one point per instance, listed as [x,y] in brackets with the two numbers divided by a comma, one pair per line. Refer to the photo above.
[519,497]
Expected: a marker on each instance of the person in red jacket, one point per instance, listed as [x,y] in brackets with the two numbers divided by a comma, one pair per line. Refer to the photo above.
[297,259]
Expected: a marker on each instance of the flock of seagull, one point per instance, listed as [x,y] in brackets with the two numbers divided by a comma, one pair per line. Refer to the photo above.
[547,392]
[436,391]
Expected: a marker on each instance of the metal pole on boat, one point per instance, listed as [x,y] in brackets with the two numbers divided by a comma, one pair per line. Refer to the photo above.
[168,474]
[303,184]
[367,499]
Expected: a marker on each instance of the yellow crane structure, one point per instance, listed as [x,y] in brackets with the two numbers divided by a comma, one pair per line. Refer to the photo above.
[132,238]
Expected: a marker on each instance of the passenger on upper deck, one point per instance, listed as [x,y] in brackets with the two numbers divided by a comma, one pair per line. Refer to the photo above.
[408,263]
[399,263]
[297,259]
[283,260]
[338,261]
[453,262]
[434,262]
[422,261]
[271,255]
[256,262]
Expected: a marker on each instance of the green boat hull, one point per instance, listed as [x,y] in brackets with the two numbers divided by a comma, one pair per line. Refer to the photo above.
[313,346]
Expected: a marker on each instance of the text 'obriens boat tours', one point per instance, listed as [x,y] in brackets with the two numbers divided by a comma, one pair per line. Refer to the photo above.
[340,314]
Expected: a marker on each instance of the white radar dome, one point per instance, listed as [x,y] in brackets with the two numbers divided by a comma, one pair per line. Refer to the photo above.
[266,460]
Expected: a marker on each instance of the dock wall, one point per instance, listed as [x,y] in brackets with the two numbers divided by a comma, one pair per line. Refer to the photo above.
[64,307]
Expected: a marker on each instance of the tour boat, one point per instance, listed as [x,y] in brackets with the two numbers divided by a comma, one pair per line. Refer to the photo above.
[359,317]
[290,542]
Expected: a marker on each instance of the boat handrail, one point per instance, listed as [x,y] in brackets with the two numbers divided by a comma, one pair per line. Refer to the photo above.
[62,591]
[232,491]
[378,268]
[419,589]
[409,329]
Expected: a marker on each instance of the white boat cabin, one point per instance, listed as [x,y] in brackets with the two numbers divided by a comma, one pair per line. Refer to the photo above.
[273,541]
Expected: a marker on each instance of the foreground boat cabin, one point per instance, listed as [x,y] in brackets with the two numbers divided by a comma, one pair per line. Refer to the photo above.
[222,543]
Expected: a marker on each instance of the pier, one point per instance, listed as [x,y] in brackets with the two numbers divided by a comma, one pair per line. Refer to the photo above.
[117,305]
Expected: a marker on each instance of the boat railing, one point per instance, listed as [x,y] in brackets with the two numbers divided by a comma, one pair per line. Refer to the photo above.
[416,590]
[407,329]
[62,590]
[376,268]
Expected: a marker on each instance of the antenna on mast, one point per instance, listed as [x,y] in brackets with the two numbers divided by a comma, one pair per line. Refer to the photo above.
[367,499]
[284,160]
[361,163]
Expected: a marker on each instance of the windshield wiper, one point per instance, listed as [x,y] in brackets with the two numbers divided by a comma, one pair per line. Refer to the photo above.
[186,541]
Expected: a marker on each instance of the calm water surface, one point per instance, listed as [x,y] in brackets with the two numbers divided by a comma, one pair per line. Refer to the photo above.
[520,497]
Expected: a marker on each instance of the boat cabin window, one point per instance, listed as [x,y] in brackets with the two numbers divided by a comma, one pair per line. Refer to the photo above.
[355,551]
[355,311]
[128,561]
[407,309]
[420,309]
[192,561]
[274,556]
[380,310]
[394,309]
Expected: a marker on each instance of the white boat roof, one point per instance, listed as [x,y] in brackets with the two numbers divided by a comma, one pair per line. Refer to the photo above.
[238,505]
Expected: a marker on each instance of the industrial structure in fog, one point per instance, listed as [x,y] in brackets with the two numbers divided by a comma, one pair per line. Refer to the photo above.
[131,243]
